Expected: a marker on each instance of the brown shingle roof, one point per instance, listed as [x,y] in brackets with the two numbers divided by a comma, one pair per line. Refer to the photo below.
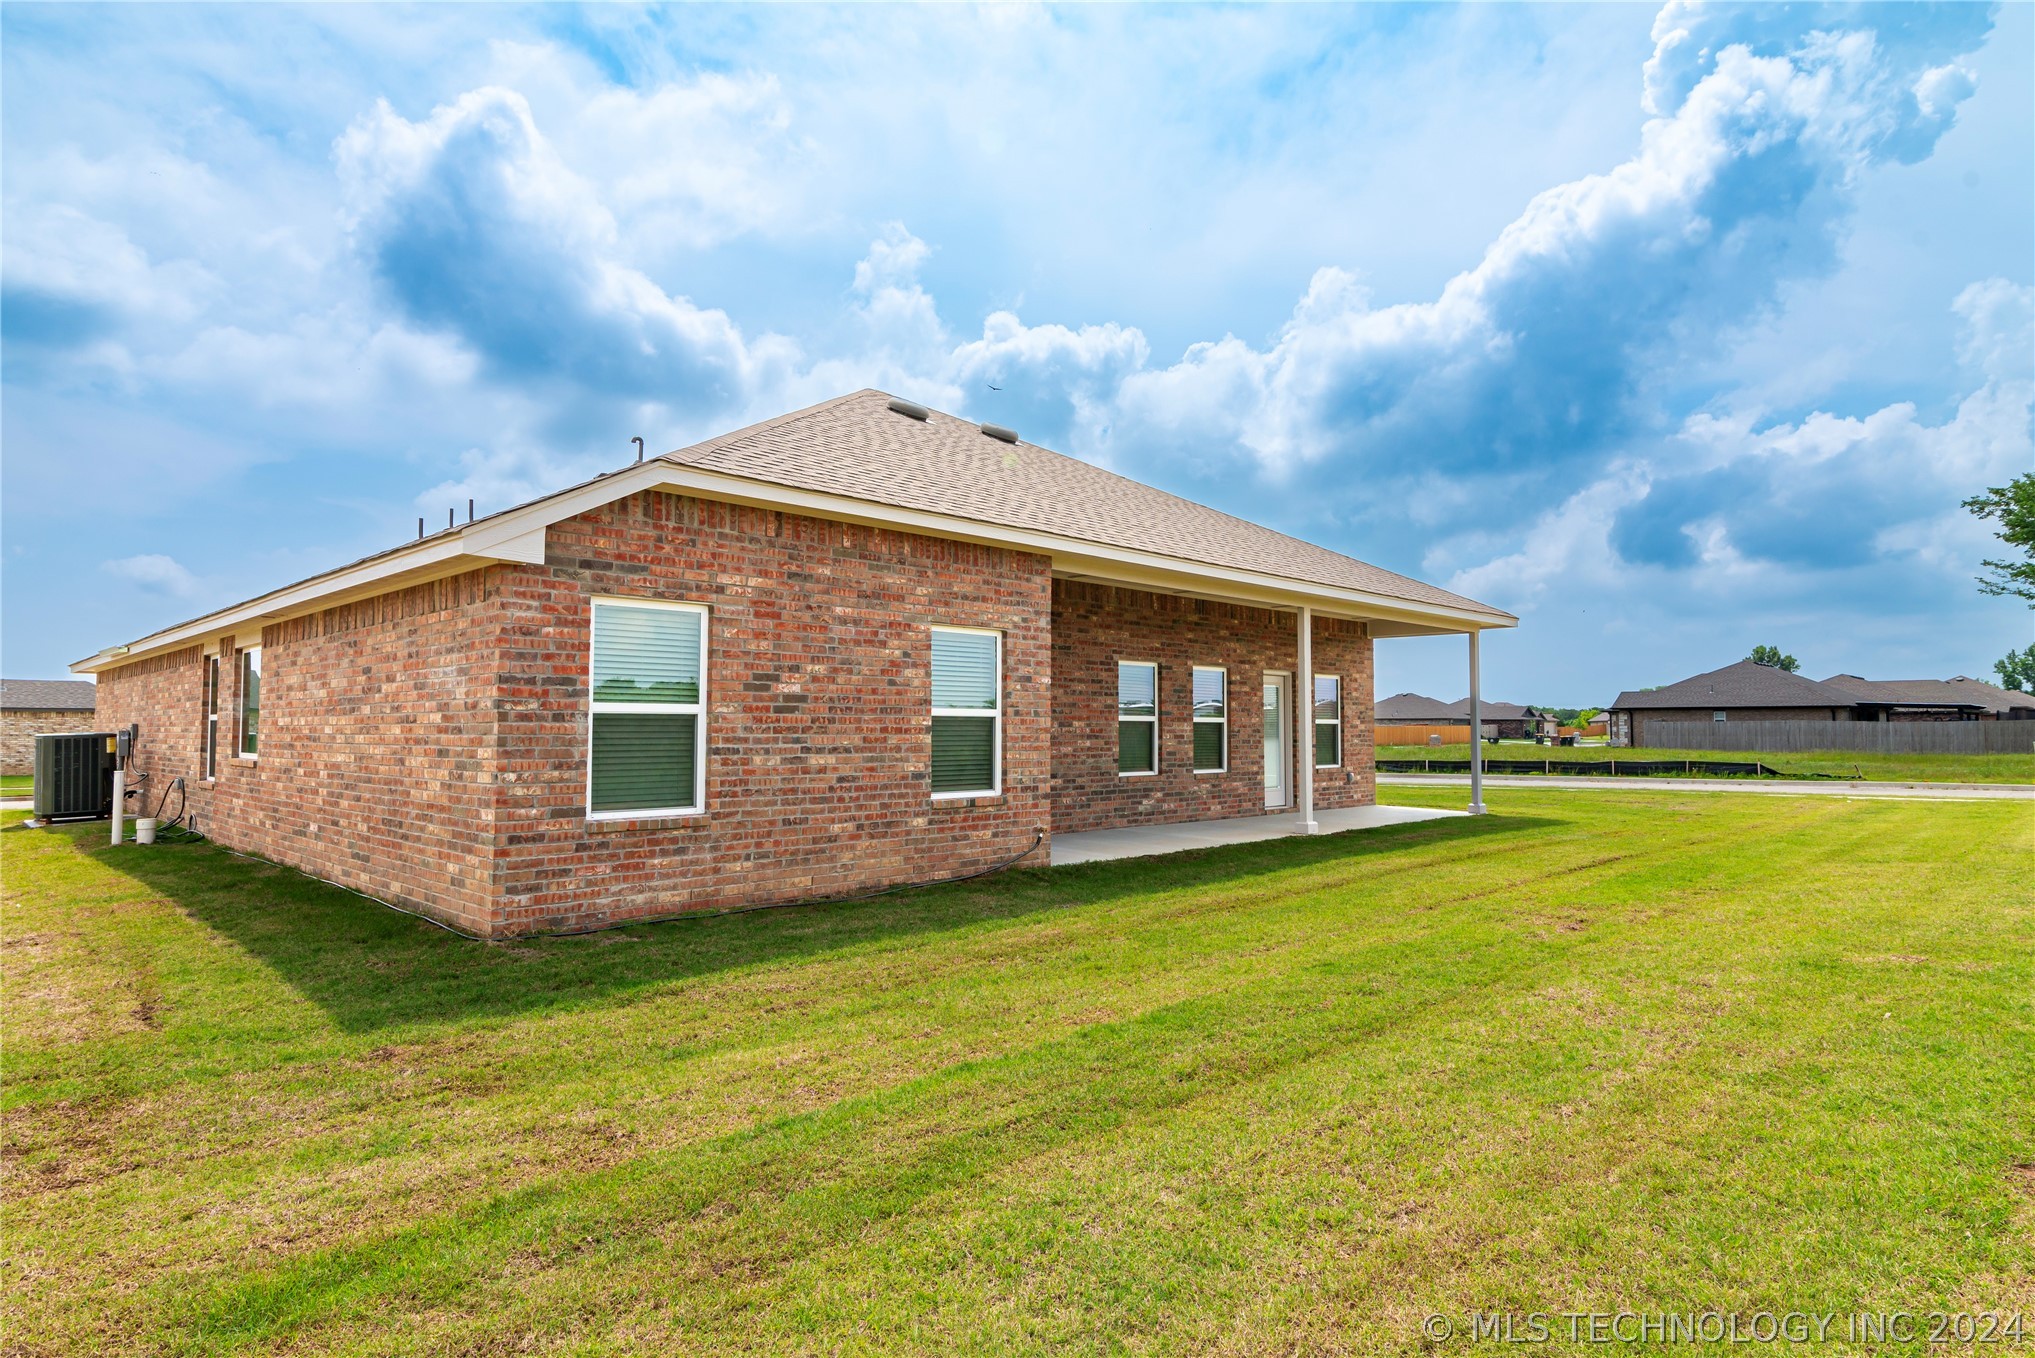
[856,446]
[1416,707]
[49,695]
[1741,685]
[1494,711]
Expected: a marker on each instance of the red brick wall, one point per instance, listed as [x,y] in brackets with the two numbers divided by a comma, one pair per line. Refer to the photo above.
[1094,626]
[376,749]
[818,712]
[166,695]
[428,746]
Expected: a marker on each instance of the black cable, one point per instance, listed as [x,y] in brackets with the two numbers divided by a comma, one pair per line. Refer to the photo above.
[183,805]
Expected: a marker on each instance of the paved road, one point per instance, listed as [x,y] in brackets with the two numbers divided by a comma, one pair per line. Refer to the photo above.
[1928,792]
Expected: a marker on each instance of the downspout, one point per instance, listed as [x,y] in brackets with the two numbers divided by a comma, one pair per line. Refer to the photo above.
[1476,733]
[1303,705]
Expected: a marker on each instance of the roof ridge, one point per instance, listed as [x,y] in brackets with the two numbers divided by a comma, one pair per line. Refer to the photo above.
[1222,519]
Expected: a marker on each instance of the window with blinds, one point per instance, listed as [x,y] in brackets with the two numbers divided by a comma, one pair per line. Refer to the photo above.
[1211,719]
[209,758]
[1137,717]
[967,712]
[250,700]
[1328,721]
[646,745]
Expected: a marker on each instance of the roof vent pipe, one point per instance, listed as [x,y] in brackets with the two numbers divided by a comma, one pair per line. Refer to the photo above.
[910,409]
[997,431]
[638,441]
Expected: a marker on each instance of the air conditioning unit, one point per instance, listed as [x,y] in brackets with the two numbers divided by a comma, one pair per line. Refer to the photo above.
[74,775]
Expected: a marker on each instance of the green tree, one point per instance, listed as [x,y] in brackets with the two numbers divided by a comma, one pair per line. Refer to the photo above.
[2017,670]
[2013,507]
[1771,657]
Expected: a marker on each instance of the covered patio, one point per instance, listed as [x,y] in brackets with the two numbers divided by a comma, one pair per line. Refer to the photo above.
[1140,841]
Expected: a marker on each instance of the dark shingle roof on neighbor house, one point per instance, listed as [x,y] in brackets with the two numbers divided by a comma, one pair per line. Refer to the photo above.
[48,695]
[1741,685]
[1958,692]
[1415,707]
[1494,711]
[1418,707]
[857,446]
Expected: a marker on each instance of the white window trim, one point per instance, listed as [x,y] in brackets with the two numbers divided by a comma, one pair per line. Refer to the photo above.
[1716,716]
[1153,771]
[697,709]
[1200,720]
[995,789]
[1318,722]
[208,753]
[240,751]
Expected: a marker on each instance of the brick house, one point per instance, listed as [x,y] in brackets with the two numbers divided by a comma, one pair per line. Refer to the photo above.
[1504,721]
[859,645]
[32,707]
[1417,709]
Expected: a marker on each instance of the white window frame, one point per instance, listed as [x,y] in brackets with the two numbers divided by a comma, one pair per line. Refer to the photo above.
[995,789]
[1314,734]
[245,655]
[1153,771]
[208,752]
[696,709]
[1200,720]
[1716,715]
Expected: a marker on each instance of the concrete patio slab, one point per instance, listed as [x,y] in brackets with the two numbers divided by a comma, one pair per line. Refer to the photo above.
[1097,846]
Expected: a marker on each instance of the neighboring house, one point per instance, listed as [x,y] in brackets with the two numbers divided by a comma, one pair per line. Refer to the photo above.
[1740,692]
[30,707]
[852,647]
[1959,699]
[1417,709]
[1506,721]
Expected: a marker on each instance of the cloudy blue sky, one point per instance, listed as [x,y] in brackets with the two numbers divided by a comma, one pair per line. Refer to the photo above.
[1672,331]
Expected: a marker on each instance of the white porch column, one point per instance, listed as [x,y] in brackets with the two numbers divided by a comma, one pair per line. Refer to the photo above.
[1303,695]
[1476,734]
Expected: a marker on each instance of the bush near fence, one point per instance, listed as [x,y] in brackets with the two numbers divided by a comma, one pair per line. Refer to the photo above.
[1880,737]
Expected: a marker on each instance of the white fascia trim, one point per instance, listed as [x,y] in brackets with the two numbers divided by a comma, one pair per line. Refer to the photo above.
[431,560]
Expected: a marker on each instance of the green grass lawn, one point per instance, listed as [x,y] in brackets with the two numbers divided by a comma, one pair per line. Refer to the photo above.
[16,784]
[1900,768]
[1656,1051]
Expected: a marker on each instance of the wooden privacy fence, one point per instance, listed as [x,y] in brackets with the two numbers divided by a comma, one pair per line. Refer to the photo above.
[1417,735]
[1881,737]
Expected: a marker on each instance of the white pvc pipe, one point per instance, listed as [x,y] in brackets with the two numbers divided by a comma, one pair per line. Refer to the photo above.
[1476,734]
[119,803]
